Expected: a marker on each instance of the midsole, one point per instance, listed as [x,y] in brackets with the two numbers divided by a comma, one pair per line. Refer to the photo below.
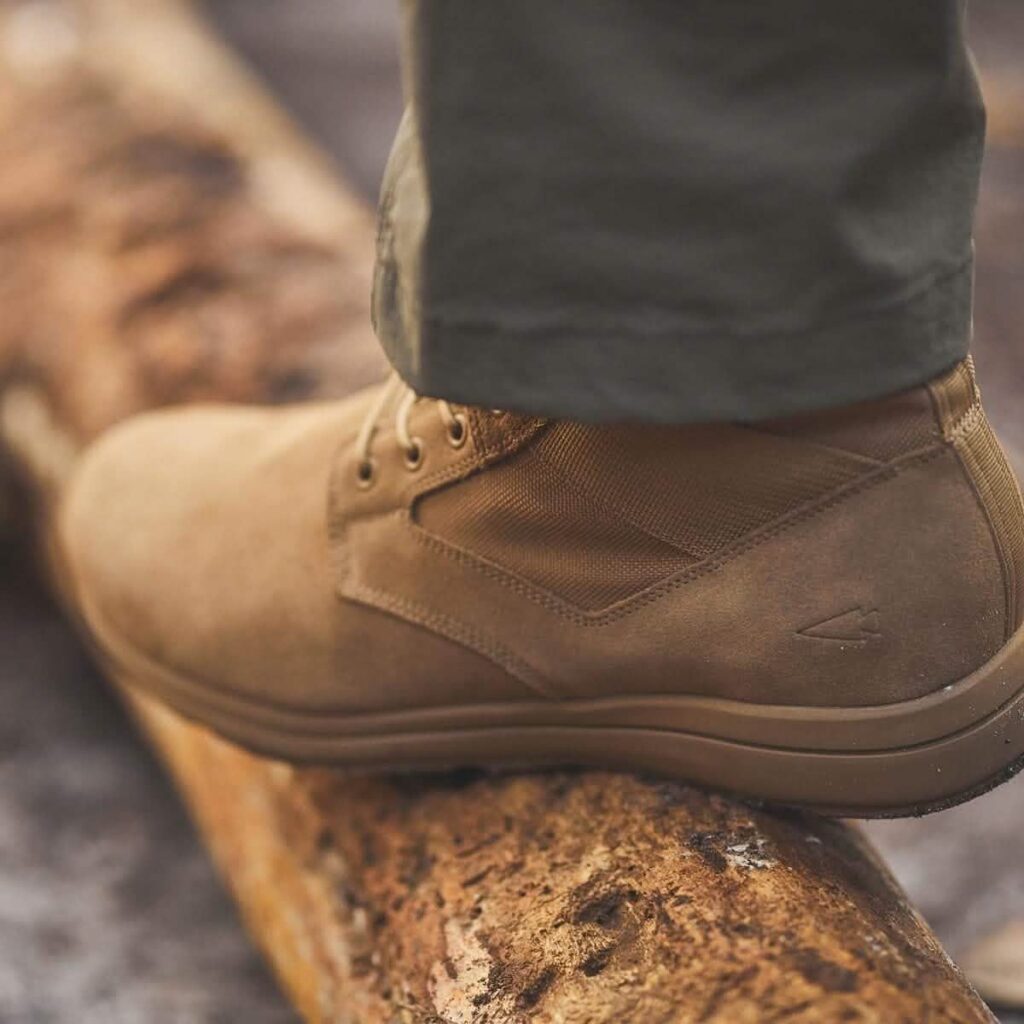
[862,730]
[898,781]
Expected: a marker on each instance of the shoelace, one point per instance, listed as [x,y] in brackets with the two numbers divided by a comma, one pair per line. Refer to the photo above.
[397,391]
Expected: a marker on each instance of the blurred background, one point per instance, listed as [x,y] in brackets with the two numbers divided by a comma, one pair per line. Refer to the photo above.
[109,911]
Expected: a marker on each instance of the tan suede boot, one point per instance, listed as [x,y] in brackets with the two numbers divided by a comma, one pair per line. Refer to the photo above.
[821,611]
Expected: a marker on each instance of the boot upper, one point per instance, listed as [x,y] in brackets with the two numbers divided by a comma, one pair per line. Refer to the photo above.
[854,557]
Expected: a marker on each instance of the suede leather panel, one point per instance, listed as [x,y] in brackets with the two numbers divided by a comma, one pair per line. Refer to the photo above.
[201,537]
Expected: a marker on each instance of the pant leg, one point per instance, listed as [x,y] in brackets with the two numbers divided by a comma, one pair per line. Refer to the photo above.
[655,210]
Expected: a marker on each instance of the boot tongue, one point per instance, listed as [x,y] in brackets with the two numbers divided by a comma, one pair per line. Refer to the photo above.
[499,434]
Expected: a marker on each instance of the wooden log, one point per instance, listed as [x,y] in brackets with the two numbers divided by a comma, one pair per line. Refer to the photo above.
[165,235]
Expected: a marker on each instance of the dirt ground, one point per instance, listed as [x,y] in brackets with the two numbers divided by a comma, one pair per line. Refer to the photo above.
[109,912]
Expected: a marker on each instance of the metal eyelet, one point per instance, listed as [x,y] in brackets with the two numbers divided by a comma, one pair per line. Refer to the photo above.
[458,430]
[366,473]
[414,455]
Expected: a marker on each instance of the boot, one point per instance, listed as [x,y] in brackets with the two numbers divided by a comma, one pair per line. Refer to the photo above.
[821,611]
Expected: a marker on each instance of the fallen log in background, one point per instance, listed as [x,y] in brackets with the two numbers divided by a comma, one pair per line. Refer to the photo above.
[165,236]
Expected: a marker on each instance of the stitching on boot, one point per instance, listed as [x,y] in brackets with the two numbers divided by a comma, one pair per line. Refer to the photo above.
[988,474]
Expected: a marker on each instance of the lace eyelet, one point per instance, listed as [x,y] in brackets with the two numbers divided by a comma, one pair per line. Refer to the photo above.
[458,430]
[414,455]
[366,473]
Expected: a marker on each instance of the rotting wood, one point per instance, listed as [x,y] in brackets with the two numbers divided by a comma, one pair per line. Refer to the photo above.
[150,253]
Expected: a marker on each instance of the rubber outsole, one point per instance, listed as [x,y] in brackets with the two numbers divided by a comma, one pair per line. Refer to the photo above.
[442,767]
[897,760]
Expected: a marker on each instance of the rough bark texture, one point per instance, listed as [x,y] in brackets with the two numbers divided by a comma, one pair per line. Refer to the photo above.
[165,236]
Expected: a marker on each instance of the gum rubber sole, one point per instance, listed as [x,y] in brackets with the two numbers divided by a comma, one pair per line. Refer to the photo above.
[892,760]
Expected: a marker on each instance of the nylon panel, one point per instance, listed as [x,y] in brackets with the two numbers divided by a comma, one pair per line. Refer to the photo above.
[522,516]
[597,514]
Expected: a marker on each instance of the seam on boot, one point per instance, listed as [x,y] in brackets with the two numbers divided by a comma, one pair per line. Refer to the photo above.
[966,428]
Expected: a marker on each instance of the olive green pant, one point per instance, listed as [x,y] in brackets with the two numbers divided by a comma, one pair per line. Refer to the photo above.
[679,211]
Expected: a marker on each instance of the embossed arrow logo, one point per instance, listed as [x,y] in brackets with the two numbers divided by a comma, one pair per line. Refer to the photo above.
[856,626]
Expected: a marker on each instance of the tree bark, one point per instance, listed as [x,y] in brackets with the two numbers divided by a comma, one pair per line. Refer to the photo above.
[166,235]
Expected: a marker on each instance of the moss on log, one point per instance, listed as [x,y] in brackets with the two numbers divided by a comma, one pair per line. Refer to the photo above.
[165,236]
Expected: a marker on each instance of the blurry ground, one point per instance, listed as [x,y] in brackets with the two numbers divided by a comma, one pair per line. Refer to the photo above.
[109,912]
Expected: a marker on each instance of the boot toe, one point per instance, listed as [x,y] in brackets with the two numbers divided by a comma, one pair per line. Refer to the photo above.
[197,540]
[199,555]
